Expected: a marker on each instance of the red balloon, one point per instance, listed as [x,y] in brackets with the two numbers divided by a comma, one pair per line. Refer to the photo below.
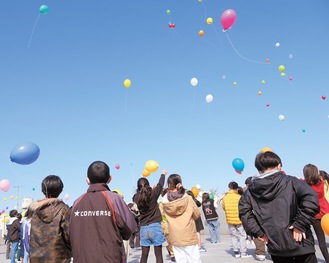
[323,97]
[227,19]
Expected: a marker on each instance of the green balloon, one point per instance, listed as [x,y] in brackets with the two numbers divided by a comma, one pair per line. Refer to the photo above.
[44,9]
[211,196]
[168,12]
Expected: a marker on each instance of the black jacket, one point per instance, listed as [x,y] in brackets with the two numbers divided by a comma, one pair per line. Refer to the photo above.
[14,231]
[274,203]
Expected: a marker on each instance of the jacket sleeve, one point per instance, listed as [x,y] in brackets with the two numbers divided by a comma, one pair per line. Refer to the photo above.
[124,229]
[308,205]
[196,213]
[158,189]
[247,216]
[65,226]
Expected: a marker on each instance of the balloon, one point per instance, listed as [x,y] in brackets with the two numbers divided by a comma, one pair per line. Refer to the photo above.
[263,81]
[303,130]
[325,224]
[4,185]
[259,93]
[67,197]
[211,196]
[267,60]
[168,12]
[290,56]
[281,68]
[145,173]
[17,197]
[151,166]
[11,197]
[268,105]
[277,44]
[281,117]
[266,149]
[201,33]
[118,192]
[195,191]
[323,97]
[283,74]
[238,164]
[235,83]
[198,186]
[44,9]
[127,83]
[227,19]
[290,78]
[209,98]
[194,82]
[5,199]
[209,20]
[171,25]
[117,166]
[25,153]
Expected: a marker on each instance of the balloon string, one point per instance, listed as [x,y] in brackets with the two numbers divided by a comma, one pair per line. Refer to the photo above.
[208,42]
[193,100]
[204,11]
[126,100]
[18,175]
[33,30]
[217,35]
[240,54]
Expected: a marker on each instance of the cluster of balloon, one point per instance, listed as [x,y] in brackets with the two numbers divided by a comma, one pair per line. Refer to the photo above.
[281,117]
[266,149]
[209,98]
[325,224]
[67,197]
[282,68]
[238,165]
[172,25]
[25,153]
[227,19]
[195,191]
[150,167]
[117,166]
[4,185]
[127,83]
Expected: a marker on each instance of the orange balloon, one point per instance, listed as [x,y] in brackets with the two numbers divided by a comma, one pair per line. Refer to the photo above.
[195,191]
[325,224]
[259,93]
[267,60]
[201,33]
[146,173]
[266,149]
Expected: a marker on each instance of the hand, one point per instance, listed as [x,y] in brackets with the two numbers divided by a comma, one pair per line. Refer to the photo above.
[164,171]
[297,234]
[263,238]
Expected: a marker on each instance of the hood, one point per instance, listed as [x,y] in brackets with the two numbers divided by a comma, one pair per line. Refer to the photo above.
[47,209]
[319,189]
[176,207]
[268,187]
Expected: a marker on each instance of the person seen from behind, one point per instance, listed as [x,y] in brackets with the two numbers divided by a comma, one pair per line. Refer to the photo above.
[279,209]
[14,234]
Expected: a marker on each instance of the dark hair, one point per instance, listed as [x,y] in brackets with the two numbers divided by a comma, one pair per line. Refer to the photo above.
[98,172]
[248,181]
[233,185]
[190,193]
[324,175]
[240,190]
[143,193]
[311,174]
[52,186]
[13,213]
[267,160]
[173,180]
[130,205]
[28,213]
[19,216]
[205,197]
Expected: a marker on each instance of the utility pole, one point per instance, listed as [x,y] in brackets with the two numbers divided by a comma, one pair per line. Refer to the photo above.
[17,196]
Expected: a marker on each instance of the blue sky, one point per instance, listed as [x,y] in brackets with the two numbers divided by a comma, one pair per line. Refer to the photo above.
[65,91]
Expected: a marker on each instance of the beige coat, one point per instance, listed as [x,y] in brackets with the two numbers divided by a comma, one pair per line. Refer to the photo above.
[181,214]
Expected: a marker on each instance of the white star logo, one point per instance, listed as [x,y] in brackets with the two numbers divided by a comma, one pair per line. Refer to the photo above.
[76,213]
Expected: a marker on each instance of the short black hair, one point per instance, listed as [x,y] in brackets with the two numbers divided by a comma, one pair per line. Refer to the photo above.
[52,186]
[248,180]
[13,213]
[98,172]
[233,185]
[267,160]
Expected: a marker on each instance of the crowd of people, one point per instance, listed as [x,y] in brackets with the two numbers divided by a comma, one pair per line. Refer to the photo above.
[274,210]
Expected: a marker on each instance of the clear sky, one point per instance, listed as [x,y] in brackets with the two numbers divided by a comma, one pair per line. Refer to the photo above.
[61,84]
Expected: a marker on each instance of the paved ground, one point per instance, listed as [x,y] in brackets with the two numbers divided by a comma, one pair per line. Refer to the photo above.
[215,253]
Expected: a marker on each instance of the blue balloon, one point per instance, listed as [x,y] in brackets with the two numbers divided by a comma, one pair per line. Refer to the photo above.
[238,164]
[25,153]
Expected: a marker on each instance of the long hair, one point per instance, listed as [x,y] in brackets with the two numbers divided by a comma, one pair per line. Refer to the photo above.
[143,193]
[175,181]
[324,175]
[311,174]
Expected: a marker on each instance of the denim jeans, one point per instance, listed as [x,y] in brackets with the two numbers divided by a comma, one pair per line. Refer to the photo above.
[213,226]
[14,248]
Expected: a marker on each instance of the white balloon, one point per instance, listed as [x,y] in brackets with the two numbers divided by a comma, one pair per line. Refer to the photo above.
[281,117]
[194,82]
[209,98]
[198,186]
[277,44]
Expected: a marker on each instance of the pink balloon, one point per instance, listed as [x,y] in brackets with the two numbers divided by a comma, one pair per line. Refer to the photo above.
[4,185]
[228,18]
[67,197]
[117,166]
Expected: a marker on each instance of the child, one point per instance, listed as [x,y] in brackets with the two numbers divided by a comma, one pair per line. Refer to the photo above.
[26,229]
[49,240]
[209,211]
[325,177]
[134,241]
[198,222]
[14,234]
[313,179]
[181,213]
[100,220]
[238,235]
[278,209]
[151,233]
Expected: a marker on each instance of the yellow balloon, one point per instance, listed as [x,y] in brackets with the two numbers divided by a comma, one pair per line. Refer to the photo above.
[151,166]
[209,20]
[235,83]
[259,93]
[145,173]
[127,83]
[283,74]
[11,197]
[5,199]
[266,149]
[195,191]
[118,192]
[281,68]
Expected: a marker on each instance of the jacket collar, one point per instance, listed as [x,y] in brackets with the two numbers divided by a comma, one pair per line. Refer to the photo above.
[98,187]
